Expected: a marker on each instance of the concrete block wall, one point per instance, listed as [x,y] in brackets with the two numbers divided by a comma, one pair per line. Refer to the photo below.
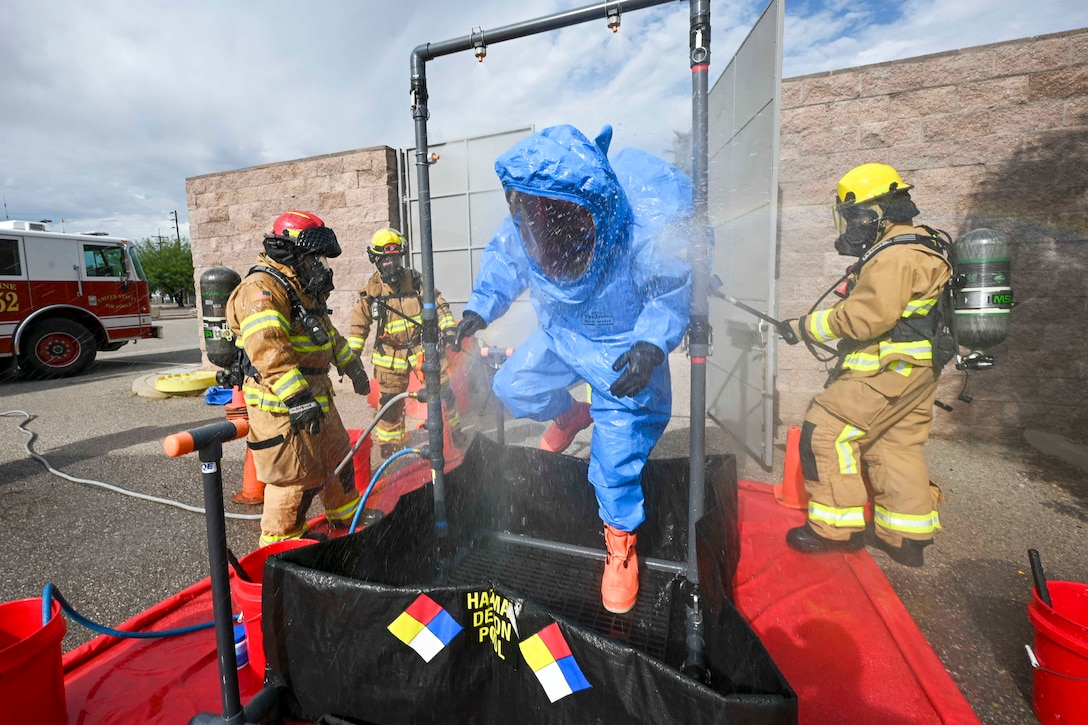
[992,136]
[354,192]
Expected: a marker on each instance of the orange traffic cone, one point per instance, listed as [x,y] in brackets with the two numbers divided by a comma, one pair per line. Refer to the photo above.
[252,492]
[791,492]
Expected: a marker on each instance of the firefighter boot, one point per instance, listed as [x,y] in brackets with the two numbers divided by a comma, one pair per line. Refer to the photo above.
[561,432]
[619,587]
[807,541]
[909,553]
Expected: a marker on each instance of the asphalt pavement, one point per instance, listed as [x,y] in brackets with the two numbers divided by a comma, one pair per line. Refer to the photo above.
[112,555]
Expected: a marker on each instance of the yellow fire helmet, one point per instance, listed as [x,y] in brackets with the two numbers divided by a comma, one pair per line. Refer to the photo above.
[864,183]
[386,241]
[867,182]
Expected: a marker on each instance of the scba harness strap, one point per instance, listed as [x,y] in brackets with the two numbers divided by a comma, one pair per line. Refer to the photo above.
[938,327]
[309,318]
[383,310]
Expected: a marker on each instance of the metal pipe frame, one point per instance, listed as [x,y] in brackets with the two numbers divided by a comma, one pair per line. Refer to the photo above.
[699,333]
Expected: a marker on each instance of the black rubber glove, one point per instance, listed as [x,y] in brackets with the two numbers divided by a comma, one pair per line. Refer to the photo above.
[470,324]
[640,362]
[359,379]
[304,412]
[788,330]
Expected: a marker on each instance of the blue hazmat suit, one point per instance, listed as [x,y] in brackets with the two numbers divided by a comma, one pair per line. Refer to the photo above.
[636,287]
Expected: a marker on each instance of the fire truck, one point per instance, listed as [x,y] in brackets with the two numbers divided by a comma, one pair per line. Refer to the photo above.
[64,297]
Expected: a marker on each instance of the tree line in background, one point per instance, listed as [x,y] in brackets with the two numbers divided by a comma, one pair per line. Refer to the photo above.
[168,264]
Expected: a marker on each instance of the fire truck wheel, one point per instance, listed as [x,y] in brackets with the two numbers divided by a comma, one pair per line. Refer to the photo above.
[58,348]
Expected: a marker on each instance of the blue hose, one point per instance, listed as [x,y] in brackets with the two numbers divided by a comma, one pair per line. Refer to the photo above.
[374,480]
[50,593]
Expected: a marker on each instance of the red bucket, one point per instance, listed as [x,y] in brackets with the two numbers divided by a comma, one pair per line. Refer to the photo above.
[1060,682]
[31,676]
[247,596]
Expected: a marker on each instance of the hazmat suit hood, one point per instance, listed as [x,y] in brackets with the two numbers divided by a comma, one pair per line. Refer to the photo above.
[560,163]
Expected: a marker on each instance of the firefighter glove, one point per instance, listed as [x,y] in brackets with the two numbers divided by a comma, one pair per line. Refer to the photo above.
[304,412]
[470,324]
[640,362]
[359,379]
[790,330]
[449,338]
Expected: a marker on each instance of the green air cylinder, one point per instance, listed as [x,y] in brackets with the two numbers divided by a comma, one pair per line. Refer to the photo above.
[984,299]
[216,284]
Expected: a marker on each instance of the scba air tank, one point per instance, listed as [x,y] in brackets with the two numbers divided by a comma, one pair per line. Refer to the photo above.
[216,284]
[983,296]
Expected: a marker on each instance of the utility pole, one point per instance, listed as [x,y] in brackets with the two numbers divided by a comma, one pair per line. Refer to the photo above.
[176,227]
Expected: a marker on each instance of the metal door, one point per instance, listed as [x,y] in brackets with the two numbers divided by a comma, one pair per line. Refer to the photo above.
[744,108]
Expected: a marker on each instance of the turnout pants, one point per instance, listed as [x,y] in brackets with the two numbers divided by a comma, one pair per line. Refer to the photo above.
[390,428]
[294,464]
[879,425]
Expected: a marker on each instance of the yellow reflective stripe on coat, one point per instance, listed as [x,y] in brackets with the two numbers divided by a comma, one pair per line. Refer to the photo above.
[403,325]
[262,321]
[260,398]
[389,362]
[303,344]
[343,354]
[870,363]
[817,326]
[356,343]
[446,322]
[345,512]
[848,463]
[851,517]
[907,523]
[902,367]
[289,383]
[919,308]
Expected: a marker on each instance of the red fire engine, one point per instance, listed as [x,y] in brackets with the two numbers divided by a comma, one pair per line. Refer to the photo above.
[64,297]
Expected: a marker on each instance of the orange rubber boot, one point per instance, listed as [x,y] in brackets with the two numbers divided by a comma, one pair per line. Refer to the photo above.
[619,587]
[561,432]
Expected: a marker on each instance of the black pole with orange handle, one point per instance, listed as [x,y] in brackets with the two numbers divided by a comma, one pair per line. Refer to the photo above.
[208,442]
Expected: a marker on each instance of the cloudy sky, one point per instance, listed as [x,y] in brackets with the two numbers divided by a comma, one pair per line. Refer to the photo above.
[109,105]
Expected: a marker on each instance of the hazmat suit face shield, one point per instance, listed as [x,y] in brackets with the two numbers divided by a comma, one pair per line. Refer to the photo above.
[315,275]
[559,236]
[858,227]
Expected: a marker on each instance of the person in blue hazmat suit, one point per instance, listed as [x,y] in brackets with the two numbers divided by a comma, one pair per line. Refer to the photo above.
[602,248]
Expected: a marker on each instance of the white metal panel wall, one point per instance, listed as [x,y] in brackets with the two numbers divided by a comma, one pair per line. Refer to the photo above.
[467,206]
[744,113]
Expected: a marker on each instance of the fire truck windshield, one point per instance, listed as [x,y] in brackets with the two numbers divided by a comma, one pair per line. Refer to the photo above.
[136,265]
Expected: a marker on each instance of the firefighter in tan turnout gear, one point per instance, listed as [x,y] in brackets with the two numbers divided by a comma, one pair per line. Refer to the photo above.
[876,411]
[279,318]
[392,303]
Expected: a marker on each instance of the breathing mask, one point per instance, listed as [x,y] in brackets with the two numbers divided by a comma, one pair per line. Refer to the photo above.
[391,269]
[858,226]
[314,275]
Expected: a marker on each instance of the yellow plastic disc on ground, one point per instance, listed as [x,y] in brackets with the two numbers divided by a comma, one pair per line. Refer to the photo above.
[194,382]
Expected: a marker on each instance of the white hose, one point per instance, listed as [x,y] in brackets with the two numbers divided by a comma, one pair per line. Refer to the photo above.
[154,499]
